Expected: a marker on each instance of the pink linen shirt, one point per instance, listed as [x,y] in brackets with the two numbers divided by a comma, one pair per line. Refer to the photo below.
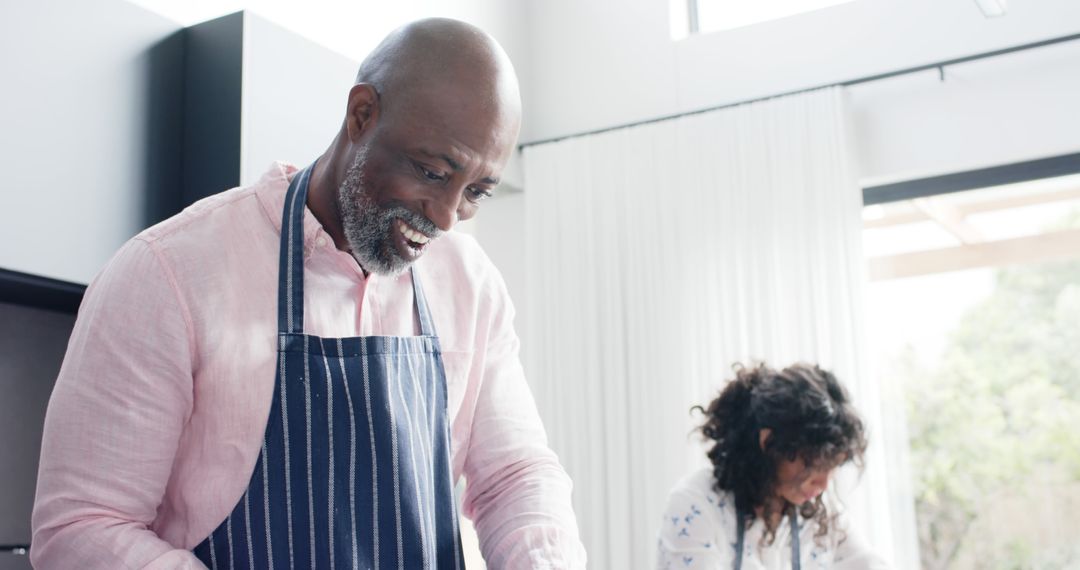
[158,414]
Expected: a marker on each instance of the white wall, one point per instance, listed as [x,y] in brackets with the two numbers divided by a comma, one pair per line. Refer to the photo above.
[605,62]
[1011,108]
[293,100]
[75,146]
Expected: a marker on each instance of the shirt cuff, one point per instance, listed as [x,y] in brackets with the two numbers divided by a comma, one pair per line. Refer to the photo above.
[538,548]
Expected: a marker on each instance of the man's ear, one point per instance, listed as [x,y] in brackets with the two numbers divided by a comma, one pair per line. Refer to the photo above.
[763,436]
[363,110]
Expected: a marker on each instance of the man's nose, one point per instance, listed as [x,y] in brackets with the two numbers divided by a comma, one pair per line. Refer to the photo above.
[442,210]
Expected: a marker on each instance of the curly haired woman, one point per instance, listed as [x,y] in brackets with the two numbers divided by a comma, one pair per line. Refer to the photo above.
[777,437]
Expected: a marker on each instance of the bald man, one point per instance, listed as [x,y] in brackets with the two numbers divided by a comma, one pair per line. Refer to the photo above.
[297,373]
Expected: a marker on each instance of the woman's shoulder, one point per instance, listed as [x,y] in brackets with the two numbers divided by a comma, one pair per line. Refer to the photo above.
[695,496]
[695,529]
[701,484]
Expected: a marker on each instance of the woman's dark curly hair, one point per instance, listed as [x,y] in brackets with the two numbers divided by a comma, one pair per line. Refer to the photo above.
[810,417]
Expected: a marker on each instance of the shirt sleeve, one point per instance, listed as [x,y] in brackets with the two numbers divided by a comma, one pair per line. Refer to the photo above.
[517,493]
[122,398]
[691,532]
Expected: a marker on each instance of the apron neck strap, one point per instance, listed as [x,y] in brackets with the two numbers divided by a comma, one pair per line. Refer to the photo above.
[740,522]
[796,558]
[291,260]
[291,264]
[740,540]
[427,324]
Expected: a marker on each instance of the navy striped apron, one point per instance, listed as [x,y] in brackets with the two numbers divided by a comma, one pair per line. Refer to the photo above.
[354,470]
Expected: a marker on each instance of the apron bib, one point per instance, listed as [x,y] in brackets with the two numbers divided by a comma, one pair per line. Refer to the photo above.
[354,470]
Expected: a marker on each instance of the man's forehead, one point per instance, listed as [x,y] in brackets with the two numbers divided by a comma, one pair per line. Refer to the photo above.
[459,130]
[445,157]
[459,112]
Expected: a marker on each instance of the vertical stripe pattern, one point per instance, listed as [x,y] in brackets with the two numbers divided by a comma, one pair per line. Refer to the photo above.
[369,421]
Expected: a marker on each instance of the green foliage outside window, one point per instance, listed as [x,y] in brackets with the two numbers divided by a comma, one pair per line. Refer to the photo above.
[995,427]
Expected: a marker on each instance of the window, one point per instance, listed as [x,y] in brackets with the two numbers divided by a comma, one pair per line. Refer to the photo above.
[694,16]
[974,317]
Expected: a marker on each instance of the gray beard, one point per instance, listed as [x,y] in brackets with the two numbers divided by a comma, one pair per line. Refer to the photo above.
[368,226]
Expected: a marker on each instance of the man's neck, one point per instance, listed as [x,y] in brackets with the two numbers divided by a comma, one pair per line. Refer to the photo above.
[322,200]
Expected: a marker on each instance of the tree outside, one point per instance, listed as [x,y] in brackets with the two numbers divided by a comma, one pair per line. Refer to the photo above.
[994,426]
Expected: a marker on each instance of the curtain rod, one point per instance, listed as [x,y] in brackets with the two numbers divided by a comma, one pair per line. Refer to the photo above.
[940,66]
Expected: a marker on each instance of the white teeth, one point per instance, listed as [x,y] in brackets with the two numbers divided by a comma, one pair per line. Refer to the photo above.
[413,235]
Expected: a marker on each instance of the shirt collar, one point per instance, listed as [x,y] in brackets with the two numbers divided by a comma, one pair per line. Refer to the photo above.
[271,188]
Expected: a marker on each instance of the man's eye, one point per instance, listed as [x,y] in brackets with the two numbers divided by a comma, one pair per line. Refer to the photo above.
[429,174]
[479,194]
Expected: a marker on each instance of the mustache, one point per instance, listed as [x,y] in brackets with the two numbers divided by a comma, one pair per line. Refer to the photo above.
[417,221]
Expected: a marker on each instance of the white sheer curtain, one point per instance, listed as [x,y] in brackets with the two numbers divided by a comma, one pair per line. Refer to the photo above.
[658,256]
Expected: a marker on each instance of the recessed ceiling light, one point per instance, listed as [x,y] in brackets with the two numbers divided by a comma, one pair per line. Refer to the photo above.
[992,8]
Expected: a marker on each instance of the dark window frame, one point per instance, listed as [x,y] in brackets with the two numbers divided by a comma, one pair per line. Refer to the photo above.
[1052,167]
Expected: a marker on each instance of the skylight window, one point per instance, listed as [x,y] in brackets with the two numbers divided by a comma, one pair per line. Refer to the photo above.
[717,15]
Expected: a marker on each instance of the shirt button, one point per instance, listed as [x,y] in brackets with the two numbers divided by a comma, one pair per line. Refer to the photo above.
[320,241]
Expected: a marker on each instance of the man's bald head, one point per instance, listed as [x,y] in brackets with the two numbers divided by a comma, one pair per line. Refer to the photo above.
[431,122]
[444,58]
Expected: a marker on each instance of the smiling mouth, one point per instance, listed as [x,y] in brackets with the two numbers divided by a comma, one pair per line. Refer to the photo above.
[414,238]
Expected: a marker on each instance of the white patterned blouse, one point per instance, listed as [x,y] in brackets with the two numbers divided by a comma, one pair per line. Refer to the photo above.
[699,532]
